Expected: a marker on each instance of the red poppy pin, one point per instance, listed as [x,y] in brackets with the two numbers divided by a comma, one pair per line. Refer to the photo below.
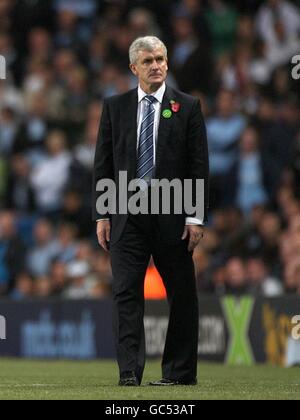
[175,106]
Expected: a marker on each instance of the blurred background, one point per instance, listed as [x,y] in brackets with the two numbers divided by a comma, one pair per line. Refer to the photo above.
[65,56]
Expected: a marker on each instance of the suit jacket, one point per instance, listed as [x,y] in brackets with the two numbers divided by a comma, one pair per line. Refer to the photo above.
[181,153]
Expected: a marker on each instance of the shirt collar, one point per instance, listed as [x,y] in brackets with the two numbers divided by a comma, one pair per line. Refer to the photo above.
[159,94]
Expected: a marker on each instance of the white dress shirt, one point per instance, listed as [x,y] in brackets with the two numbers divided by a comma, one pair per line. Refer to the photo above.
[159,95]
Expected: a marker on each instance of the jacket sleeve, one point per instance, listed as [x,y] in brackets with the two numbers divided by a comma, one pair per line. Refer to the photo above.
[103,164]
[198,160]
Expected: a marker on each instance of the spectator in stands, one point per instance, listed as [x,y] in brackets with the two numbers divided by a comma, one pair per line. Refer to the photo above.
[119,43]
[96,54]
[12,252]
[224,130]
[142,22]
[222,21]
[278,24]
[26,15]
[218,281]
[79,287]
[85,151]
[44,250]
[101,267]
[186,41]
[278,133]
[84,10]
[269,229]
[24,287]
[10,97]
[67,34]
[201,262]
[249,175]
[291,277]
[290,209]
[76,213]
[236,282]
[295,158]
[107,81]
[77,95]
[100,290]
[40,81]
[67,242]
[64,61]
[260,281]
[50,177]
[58,276]
[3,176]
[19,193]
[8,129]
[31,135]
[297,280]
[40,46]
[101,275]
[191,58]
[6,7]
[43,287]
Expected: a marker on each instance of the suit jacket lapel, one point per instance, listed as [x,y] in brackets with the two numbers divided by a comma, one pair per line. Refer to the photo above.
[131,116]
[165,125]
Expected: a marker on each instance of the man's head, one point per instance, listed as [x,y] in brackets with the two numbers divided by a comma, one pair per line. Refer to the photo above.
[43,232]
[257,270]
[236,273]
[149,62]
[7,225]
[226,103]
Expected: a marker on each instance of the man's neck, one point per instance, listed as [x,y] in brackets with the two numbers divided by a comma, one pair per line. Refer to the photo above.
[149,89]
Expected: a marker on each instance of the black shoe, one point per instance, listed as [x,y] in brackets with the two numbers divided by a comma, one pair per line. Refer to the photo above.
[172,382]
[128,379]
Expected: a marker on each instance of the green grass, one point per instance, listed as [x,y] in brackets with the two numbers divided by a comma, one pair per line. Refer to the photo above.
[27,380]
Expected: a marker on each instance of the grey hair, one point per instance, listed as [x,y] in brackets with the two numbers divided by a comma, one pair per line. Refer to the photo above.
[147,43]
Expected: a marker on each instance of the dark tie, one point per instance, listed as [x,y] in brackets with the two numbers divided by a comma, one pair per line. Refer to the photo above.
[145,162]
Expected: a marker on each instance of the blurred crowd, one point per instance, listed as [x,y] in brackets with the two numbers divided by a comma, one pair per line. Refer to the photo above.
[65,56]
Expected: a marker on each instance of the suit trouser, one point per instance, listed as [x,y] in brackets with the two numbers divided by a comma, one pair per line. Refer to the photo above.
[130,257]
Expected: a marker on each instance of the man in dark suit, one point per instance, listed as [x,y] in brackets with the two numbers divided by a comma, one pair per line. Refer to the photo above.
[152,132]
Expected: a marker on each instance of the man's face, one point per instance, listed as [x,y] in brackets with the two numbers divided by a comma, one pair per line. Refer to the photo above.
[151,68]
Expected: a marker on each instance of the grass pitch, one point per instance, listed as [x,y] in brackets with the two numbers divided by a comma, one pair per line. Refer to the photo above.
[38,380]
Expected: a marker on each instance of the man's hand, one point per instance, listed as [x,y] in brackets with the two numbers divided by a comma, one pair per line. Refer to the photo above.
[103,233]
[194,233]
